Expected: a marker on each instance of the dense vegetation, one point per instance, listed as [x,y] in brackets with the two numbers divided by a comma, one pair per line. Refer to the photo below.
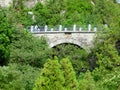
[27,62]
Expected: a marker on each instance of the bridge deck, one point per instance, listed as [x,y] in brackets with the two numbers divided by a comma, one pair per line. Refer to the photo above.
[51,32]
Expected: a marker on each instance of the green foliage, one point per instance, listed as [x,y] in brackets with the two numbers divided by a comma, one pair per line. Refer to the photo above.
[110,81]
[51,77]
[69,12]
[20,13]
[10,79]
[107,58]
[103,12]
[86,82]
[50,13]
[28,74]
[106,55]
[26,49]
[79,12]
[17,77]
[56,76]
[65,12]
[6,31]
[69,74]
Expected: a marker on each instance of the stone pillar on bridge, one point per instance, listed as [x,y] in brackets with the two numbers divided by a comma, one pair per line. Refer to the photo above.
[74,27]
[89,27]
[65,29]
[51,29]
[46,27]
[95,29]
[80,29]
[60,27]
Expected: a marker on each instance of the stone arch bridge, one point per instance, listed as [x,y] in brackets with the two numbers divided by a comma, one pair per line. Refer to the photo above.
[79,37]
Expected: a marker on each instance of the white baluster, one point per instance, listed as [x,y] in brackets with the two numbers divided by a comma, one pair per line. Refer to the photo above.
[89,27]
[51,29]
[74,27]
[80,29]
[65,29]
[95,29]
[60,27]
[46,27]
[31,28]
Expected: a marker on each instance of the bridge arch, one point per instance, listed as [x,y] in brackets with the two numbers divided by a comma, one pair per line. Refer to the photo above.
[81,44]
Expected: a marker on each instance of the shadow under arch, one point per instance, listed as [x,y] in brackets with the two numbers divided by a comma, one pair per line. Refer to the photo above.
[68,44]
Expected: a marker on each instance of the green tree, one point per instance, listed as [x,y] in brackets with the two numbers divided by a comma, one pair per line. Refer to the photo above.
[107,73]
[6,31]
[78,12]
[65,12]
[10,79]
[51,77]
[20,13]
[49,13]
[69,74]
[103,12]
[87,82]
[18,77]
[28,75]
[106,55]
[27,49]
[69,12]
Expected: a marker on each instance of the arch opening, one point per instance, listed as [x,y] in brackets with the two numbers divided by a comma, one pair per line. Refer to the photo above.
[65,44]
[81,44]
[76,54]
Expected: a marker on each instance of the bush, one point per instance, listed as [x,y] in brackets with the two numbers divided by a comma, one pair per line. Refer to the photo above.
[56,76]
[10,79]
[51,77]
[86,82]
[69,74]
[110,81]
[26,49]
[6,32]
[17,77]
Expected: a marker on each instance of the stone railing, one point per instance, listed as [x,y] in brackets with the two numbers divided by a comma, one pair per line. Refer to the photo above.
[45,29]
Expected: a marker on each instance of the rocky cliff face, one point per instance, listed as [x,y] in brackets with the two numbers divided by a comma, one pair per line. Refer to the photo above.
[28,3]
[4,3]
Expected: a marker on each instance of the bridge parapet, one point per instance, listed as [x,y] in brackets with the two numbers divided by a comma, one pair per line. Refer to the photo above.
[61,29]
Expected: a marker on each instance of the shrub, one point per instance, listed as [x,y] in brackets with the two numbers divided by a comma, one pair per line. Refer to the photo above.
[69,75]
[87,82]
[57,76]
[17,77]
[6,32]
[26,49]
[51,77]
